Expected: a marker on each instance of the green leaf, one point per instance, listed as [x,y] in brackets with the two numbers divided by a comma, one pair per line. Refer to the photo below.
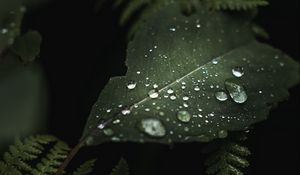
[121,168]
[27,47]
[191,79]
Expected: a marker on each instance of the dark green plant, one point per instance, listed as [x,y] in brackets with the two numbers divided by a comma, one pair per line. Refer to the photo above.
[196,73]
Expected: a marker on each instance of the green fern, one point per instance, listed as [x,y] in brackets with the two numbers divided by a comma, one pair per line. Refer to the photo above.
[121,168]
[230,158]
[20,156]
[85,168]
[235,4]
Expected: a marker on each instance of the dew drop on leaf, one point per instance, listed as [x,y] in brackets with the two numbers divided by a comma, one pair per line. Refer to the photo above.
[101,126]
[152,127]
[170,91]
[173,97]
[222,134]
[153,93]
[238,71]
[221,96]
[237,92]
[131,85]
[183,116]
[125,111]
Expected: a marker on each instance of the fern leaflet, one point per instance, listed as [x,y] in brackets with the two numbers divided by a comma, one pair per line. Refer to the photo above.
[121,168]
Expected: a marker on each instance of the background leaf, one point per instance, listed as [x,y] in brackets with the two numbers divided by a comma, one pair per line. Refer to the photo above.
[191,79]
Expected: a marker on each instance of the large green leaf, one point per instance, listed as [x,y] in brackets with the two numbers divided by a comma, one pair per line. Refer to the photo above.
[191,79]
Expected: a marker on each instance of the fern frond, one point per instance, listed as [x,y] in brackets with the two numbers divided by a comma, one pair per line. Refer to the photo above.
[51,162]
[86,168]
[230,158]
[121,168]
[235,4]
[19,158]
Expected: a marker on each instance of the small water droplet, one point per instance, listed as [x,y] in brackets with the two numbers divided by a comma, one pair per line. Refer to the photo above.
[172,29]
[125,111]
[170,91]
[116,121]
[108,110]
[237,92]
[101,126]
[172,97]
[108,132]
[215,61]
[152,127]
[238,71]
[4,31]
[185,98]
[183,116]
[198,26]
[131,85]
[222,134]
[197,88]
[221,96]
[153,93]
[138,72]
[155,86]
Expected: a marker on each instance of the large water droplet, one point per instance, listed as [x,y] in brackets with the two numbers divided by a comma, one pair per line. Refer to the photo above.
[131,85]
[222,134]
[237,92]
[221,96]
[153,127]
[183,116]
[238,71]
[153,93]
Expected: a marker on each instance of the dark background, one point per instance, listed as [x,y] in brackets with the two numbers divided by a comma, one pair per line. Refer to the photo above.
[81,49]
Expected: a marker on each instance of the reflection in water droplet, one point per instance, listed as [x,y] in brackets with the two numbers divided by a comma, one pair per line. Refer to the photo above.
[153,93]
[238,71]
[152,127]
[125,111]
[221,96]
[183,116]
[237,92]
[131,85]
[222,134]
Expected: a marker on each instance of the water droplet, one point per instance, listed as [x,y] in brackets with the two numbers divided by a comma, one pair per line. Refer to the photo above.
[215,61]
[108,132]
[185,98]
[138,72]
[221,96]
[222,134]
[116,121]
[237,92]
[4,31]
[153,93]
[108,110]
[172,97]
[153,127]
[198,26]
[170,91]
[101,126]
[196,88]
[183,116]
[172,29]
[115,139]
[155,86]
[131,85]
[125,111]
[238,71]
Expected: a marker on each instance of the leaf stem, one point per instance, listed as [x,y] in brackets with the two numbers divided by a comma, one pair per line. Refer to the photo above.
[70,156]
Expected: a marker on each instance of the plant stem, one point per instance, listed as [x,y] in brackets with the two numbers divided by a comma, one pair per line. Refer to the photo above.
[72,153]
